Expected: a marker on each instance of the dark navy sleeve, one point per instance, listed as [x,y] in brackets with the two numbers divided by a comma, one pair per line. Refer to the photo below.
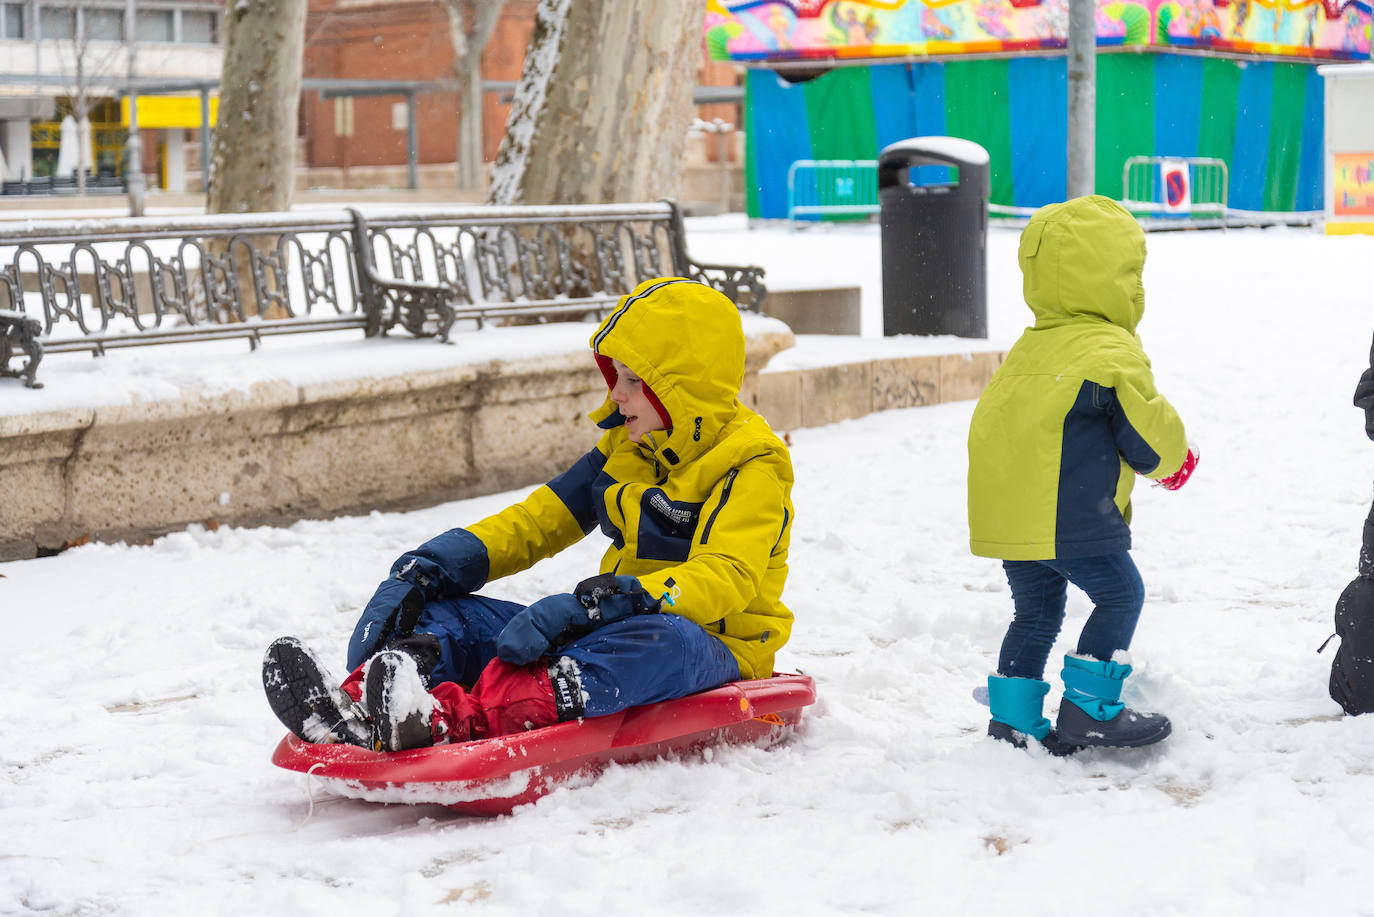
[575,487]
[1137,453]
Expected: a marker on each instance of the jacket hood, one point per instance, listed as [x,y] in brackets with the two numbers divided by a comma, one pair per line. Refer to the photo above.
[1084,258]
[686,341]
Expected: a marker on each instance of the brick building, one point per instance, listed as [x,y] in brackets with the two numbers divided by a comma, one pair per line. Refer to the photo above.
[398,40]
[360,141]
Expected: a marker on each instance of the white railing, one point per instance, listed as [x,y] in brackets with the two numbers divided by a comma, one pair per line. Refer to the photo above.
[1161,186]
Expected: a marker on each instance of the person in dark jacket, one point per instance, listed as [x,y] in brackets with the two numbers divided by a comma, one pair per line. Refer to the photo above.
[1352,670]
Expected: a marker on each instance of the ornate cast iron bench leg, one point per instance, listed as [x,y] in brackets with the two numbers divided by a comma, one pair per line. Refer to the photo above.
[18,330]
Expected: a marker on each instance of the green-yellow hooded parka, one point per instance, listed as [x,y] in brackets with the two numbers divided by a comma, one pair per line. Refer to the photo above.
[701,512]
[1072,414]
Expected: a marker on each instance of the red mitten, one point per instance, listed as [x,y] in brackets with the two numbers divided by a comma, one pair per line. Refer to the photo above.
[1180,477]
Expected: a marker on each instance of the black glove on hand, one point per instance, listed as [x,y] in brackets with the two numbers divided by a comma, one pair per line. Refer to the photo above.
[608,597]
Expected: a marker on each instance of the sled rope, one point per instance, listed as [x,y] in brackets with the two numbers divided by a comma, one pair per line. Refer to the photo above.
[309,794]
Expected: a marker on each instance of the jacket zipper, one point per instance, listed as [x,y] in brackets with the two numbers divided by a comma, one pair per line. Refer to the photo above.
[724,496]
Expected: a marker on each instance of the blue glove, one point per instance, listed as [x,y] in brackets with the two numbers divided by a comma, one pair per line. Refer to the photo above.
[451,564]
[561,618]
[530,633]
[454,563]
[393,611]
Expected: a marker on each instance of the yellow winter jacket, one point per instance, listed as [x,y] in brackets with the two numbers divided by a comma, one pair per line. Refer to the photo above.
[701,512]
[1073,414]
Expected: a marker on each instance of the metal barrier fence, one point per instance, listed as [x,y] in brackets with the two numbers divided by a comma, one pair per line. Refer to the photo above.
[832,187]
[1161,186]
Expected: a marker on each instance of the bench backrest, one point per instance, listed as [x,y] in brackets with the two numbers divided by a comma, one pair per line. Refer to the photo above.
[521,262]
[97,284]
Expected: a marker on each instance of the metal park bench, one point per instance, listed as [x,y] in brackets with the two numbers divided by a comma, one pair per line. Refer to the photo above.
[94,285]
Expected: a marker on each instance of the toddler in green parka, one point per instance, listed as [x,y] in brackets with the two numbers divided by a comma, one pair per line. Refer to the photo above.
[1056,440]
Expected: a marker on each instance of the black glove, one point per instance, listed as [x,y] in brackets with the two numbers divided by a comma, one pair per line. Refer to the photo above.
[609,597]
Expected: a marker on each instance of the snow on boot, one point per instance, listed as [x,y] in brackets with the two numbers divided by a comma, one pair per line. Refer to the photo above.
[306,698]
[400,704]
[1092,713]
[1016,705]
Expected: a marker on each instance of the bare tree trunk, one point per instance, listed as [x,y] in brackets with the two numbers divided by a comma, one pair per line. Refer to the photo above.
[604,103]
[253,162]
[470,24]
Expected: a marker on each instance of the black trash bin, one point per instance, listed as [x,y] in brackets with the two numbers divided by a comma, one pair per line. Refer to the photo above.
[934,238]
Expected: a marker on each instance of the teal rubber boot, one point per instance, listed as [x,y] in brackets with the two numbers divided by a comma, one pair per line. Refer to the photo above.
[1092,713]
[1017,705]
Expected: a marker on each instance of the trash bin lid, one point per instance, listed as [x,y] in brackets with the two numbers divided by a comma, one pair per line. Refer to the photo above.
[970,158]
[940,150]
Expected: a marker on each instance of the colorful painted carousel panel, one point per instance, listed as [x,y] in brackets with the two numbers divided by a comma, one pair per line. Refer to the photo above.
[792,30]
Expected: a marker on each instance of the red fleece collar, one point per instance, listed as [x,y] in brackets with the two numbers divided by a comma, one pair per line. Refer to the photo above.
[603,363]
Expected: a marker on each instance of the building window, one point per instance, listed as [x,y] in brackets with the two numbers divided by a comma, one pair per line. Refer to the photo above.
[154,25]
[104,24]
[198,26]
[12,20]
[56,22]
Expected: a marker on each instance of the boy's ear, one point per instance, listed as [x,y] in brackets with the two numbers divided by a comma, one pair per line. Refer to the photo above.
[1030,239]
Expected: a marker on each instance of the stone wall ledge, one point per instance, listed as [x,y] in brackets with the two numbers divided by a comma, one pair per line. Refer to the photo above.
[276,452]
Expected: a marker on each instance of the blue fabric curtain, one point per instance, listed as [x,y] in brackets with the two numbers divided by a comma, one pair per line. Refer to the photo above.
[1178,104]
[1250,157]
[779,134]
[1038,92]
[894,102]
[1311,179]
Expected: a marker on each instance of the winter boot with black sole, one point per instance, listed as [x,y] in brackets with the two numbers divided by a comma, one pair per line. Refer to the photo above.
[400,705]
[1128,729]
[307,700]
[1052,743]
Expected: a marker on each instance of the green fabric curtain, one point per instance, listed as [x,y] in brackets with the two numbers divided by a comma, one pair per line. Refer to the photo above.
[1125,116]
[1285,137]
[976,103]
[840,111]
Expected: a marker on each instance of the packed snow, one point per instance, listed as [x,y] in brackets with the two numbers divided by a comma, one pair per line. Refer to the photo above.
[136,738]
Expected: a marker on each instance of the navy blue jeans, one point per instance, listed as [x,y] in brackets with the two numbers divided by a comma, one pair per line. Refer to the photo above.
[641,659]
[1039,591]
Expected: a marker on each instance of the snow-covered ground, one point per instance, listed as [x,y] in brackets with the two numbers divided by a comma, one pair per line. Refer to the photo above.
[135,738]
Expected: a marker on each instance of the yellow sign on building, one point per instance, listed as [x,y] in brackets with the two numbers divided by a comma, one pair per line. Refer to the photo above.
[168,111]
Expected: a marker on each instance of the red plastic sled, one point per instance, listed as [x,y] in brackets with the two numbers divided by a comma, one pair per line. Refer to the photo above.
[493,776]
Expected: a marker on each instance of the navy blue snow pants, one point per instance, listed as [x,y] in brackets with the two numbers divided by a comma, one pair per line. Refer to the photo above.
[1039,592]
[642,659]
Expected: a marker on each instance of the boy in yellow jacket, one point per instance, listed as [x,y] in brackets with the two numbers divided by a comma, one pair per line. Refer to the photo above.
[1056,441]
[694,492]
